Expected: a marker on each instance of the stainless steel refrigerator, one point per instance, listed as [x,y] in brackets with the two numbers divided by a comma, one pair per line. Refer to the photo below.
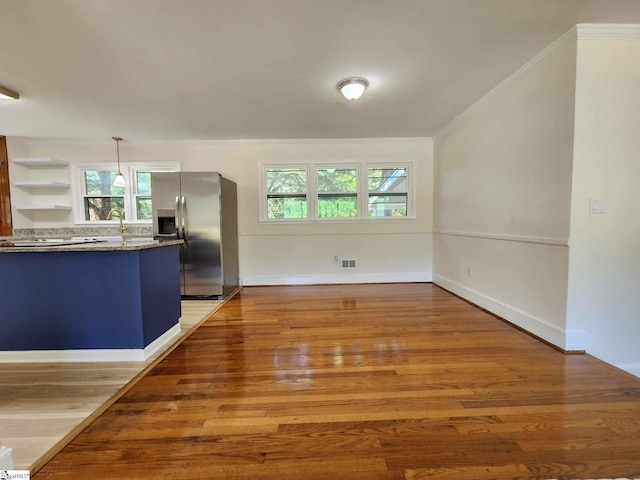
[199,208]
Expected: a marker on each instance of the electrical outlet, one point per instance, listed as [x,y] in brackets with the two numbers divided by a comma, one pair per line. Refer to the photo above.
[469,271]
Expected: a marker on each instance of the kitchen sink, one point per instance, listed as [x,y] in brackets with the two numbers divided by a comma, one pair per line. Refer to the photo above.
[48,242]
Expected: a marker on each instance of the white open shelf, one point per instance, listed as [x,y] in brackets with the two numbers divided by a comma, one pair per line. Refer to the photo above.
[43,207]
[40,162]
[43,184]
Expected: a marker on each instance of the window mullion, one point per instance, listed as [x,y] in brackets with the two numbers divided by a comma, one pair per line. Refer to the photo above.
[363,192]
[129,197]
[129,213]
[312,187]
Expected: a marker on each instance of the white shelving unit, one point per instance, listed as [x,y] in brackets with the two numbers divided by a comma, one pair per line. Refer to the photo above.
[41,198]
[40,162]
[41,184]
[34,208]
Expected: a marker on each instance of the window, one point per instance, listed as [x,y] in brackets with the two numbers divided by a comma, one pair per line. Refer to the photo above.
[388,192]
[143,195]
[287,193]
[337,192]
[97,196]
[330,192]
[100,196]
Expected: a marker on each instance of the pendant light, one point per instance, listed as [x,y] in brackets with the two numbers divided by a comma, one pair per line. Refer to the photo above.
[119,180]
[353,87]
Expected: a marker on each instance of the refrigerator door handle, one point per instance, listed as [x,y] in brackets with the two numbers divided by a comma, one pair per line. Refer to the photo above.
[183,221]
[178,217]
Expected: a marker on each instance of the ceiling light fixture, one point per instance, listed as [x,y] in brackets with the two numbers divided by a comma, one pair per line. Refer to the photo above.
[353,87]
[6,94]
[119,180]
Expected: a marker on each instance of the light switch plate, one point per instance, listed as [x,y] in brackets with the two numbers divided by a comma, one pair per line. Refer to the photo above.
[596,205]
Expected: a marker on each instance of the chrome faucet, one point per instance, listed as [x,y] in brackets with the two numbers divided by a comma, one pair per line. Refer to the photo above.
[119,214]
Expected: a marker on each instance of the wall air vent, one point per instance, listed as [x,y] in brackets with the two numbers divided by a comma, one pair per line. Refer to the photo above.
[348,264]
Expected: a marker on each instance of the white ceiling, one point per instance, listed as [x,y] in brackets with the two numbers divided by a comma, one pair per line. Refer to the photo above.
[266,69]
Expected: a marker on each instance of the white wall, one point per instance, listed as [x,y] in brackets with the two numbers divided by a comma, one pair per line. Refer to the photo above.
[273,254]
[502,197]
[604,261]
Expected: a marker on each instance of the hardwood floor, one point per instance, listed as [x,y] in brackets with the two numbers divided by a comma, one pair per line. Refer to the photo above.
[42,403]
[363,382]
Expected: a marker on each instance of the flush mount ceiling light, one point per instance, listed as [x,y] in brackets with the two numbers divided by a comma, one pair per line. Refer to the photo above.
[119,180]
[6,94]
[353,87]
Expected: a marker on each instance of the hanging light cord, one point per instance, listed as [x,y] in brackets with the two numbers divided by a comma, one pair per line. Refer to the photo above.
[118,140]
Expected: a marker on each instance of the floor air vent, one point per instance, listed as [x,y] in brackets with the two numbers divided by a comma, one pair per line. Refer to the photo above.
[348,264]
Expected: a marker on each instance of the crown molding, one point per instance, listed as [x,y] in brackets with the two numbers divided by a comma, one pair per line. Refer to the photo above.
[569,37]
[608,31]
[582,31]
[230,142]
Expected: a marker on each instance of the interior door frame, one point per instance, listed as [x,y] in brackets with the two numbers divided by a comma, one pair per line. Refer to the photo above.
[6,222]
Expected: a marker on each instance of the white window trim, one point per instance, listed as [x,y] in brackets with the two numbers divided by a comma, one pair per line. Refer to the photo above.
[363,191]
[129,172]
[263,192]
[410,190]
[316,192]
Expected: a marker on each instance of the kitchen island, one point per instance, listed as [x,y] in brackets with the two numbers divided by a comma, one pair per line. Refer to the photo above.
[98,301]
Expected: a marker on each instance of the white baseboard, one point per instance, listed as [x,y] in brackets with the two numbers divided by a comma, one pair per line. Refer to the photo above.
[94,355]
[576,340]
[337,279]
[162,341]
[6,459]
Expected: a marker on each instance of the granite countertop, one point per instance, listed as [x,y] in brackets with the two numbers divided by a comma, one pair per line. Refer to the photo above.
[18,244]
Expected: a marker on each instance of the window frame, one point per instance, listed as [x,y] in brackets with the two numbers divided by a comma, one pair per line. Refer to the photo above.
[362,168]
[264,193]
[85,195]
[409,190]
[135,194]
[130,190]
[316,194]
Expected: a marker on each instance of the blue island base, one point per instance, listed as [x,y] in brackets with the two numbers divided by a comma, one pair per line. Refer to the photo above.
[88,305]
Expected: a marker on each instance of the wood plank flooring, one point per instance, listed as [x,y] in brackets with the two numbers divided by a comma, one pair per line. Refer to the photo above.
[42,403]
[363,382]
